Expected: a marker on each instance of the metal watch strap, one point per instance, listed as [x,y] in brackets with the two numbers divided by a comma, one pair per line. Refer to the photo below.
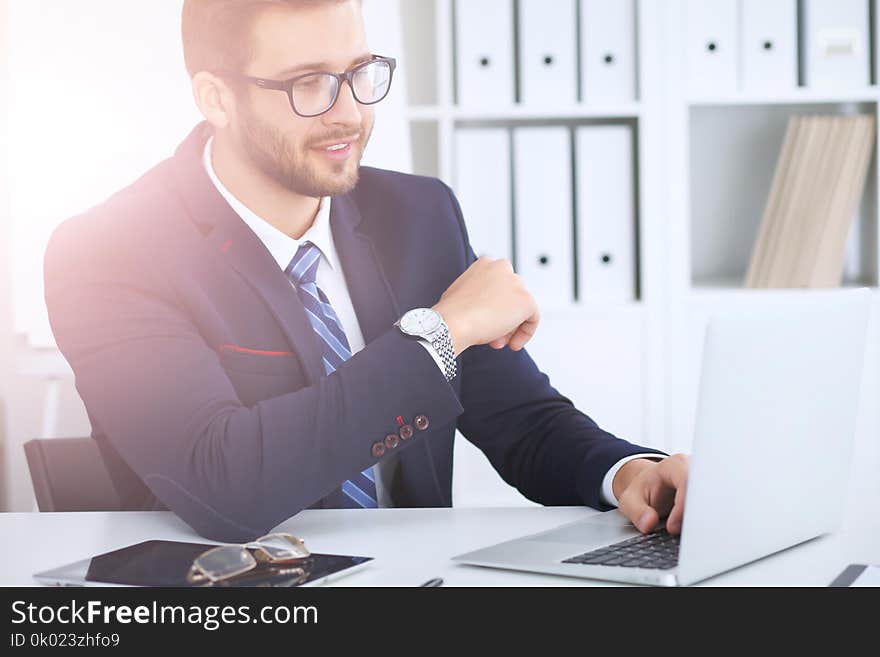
[442,344]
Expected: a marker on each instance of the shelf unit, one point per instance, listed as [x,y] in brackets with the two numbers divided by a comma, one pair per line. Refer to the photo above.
[721,152]
[733,150]
[794,97]
[704,163]
[515,113]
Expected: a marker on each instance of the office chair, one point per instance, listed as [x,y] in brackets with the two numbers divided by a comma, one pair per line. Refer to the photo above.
[69,474]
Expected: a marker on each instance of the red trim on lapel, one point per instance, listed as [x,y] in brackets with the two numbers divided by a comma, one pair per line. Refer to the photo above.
[258,352]
[219,223]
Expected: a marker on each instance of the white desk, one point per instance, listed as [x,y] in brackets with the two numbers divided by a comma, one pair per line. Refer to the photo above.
[413,545]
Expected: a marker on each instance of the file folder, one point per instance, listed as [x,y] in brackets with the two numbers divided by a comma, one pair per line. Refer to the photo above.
[548,52]
[712,47]
[482,184]
[606,218]
[836,45]
[769,45]
[543,213]
[608,51]
[484,52]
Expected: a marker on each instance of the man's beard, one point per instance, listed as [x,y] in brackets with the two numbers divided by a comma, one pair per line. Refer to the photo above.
[274,155]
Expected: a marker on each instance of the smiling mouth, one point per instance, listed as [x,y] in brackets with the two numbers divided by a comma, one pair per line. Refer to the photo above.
[339,145]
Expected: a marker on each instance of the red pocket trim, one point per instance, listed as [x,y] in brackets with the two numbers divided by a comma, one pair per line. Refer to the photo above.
[258,352]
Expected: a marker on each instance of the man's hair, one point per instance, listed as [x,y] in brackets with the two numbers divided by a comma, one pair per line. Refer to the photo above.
[217,33]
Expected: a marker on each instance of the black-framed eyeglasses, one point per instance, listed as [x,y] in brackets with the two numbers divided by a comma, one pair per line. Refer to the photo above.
[313,94]
[283,554]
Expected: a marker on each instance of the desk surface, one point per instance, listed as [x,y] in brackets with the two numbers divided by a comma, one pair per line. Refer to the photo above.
[412,545]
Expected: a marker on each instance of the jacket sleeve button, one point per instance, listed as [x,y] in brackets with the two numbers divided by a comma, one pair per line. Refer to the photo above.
[378,450]
[406,431]
[421,422]
[391,441]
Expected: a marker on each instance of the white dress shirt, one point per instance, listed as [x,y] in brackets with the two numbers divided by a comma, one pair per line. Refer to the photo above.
[331,279]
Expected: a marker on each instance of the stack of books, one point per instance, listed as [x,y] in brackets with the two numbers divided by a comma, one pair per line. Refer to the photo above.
[815,194]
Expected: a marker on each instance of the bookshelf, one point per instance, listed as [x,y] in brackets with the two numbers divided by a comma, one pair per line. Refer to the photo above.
[698,212]
[722,150]
[728,193]
[514,113]
[792,97]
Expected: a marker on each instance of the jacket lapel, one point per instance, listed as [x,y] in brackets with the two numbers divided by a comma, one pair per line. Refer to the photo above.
[377,309]
[237,245]
[371,295]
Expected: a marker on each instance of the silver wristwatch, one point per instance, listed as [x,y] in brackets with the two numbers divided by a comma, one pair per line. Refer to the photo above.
[427,324]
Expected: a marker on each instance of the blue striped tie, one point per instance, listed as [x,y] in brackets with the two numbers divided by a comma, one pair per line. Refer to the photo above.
[302,270]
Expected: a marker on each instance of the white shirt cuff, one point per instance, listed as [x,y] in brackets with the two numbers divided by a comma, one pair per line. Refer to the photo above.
[434,355]
[607,490]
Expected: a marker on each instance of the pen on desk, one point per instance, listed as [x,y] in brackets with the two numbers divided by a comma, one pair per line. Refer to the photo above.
[437,581]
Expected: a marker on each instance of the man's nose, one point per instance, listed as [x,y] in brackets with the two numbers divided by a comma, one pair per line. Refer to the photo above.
[346,111]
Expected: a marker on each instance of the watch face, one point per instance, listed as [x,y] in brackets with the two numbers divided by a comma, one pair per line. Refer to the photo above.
[420,321]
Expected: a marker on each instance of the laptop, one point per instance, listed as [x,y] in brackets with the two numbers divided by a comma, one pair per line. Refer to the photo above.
[773,440]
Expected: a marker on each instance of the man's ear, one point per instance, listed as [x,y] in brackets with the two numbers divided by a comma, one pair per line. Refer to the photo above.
[214,99]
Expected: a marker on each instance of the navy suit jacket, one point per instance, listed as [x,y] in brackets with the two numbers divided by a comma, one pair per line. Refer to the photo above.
[203,379]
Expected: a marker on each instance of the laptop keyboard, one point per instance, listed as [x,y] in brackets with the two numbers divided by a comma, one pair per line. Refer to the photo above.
[658,550]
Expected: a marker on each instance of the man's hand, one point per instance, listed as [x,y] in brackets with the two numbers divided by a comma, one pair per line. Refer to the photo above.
[488,304]
[647,491]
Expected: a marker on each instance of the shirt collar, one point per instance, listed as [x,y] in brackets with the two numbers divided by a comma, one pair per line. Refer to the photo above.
[282,247]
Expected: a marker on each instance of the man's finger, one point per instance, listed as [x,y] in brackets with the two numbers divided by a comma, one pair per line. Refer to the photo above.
[500,343]
[524,333]
[676,516]
[673,473]
[634,505]
[674,470]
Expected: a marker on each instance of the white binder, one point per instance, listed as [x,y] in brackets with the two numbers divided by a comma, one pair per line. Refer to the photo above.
[712,47]
[769,45]
[608,51]
[543,211]
[482,185]
[836,46]
[484,52]
[605,214]
[548,52]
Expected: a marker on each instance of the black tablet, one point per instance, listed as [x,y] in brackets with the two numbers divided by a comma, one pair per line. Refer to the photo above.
[166,563]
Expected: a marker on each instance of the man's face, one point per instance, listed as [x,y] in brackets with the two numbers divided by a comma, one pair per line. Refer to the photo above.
[291,149]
